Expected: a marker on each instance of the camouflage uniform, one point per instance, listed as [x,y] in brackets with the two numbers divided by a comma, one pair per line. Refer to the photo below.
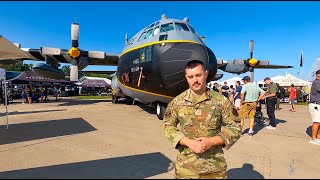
[201,118]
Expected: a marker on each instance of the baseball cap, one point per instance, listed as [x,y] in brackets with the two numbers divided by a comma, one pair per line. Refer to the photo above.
[318,72]
[267,78]
[246,78]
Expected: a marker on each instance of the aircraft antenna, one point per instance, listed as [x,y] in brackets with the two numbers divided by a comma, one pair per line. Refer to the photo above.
[126,39]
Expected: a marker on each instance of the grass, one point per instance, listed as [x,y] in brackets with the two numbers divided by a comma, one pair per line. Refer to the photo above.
[91,97]
[303,103]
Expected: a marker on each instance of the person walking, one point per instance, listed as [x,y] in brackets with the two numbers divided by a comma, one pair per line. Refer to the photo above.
[293,98]
[250,95]
[208,122]
[236,97]
[314,109]
[271,99]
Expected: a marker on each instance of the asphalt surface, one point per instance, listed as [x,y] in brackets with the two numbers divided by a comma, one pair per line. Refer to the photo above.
[97,139]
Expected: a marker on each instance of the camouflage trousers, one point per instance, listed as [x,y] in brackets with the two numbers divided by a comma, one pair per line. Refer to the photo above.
[182,173]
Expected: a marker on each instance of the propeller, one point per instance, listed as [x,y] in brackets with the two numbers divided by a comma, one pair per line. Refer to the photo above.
[74,52]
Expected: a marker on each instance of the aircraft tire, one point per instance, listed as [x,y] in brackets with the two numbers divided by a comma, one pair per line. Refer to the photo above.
[161,109]
[114,99]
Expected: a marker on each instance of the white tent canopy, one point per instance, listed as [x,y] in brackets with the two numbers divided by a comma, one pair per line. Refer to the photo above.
[231,81]
[288,80]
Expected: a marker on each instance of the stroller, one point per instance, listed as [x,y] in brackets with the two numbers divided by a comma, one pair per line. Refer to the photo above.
[258,117]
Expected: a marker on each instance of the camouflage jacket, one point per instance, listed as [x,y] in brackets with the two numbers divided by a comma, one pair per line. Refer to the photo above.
[212,115]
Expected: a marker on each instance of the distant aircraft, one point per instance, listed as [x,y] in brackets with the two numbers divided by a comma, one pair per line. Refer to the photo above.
[151,67]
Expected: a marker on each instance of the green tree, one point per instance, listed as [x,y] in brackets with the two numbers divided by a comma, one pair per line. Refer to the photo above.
[19,66]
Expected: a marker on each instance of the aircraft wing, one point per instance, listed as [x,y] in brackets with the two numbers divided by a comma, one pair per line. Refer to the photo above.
[271,66]
[99,72]
[10,53]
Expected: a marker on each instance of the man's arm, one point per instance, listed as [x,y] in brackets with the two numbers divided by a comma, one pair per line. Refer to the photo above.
[170,123]
[231,131]
[262,94]
[235,95]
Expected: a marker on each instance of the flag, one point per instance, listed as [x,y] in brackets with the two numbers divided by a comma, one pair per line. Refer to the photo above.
[301,59]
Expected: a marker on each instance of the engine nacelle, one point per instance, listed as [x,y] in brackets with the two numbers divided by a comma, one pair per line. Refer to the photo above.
[46,70]
[235,68]
[82,62]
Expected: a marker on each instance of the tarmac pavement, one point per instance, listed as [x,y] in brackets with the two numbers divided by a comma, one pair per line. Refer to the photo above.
[97,139]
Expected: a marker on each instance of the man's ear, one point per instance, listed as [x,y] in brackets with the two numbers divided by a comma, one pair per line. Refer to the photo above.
[206,73]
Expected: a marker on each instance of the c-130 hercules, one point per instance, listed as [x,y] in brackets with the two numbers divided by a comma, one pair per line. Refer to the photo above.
[151,66]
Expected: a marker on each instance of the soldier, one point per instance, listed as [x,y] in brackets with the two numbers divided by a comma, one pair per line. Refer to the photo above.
[201,113]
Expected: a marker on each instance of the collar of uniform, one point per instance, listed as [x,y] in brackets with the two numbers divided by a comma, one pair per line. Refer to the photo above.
[205,96]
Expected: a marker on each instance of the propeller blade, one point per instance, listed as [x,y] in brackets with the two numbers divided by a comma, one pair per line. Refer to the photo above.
[263,62]
[75,34]
[251,46]
[96,54]
[74,73]
[50,51]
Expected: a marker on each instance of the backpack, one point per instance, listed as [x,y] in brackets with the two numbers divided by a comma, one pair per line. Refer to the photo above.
[279,93]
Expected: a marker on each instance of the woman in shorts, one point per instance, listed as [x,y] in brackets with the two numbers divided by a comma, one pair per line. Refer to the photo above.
[293,98]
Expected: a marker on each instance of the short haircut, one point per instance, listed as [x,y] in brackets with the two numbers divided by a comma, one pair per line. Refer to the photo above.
[194,63]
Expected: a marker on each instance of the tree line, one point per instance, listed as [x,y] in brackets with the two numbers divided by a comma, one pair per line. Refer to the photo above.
[19,66]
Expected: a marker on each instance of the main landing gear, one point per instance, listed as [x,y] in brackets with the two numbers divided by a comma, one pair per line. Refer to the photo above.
[114,99]
[161,109]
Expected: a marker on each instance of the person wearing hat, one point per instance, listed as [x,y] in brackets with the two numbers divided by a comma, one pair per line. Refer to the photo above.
[271,98]
[314,109]
[250,95]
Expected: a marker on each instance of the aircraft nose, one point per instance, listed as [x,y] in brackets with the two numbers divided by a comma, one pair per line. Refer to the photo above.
[174,59]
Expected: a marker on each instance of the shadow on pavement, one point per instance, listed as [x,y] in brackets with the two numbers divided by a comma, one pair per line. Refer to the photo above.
[245,172]
[72,102]
[29,112]
[144,107]
[257,127]
[44,129]
[136,167]
[309,131]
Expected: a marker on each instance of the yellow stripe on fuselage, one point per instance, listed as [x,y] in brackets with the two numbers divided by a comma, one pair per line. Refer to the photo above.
[147,92]
[158,42]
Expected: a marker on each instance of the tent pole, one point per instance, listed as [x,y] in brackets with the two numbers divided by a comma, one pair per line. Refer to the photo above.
[6,100]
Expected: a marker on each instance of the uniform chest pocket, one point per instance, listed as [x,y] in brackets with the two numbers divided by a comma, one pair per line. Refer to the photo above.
[185,115]
[213,120]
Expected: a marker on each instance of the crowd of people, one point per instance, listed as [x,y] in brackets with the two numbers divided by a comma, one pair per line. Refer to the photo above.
[213,119]
[29,94]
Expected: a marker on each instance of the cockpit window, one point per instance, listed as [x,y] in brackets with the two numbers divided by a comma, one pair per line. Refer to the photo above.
[191,28]
[151,25]
[156,23]
[148,34]
[142,36]
[166,27]
[181,27]
[156,31]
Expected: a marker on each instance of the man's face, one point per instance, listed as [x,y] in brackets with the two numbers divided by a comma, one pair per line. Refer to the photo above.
[267,81]
[318,76]
[196,78]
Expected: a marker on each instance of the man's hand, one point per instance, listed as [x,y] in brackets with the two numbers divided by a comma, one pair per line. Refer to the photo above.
[206,143]
[196,146]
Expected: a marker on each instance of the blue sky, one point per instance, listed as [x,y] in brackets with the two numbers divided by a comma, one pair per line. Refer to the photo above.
[281,30]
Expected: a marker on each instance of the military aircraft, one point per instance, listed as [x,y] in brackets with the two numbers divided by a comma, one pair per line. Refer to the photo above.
[151,67]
